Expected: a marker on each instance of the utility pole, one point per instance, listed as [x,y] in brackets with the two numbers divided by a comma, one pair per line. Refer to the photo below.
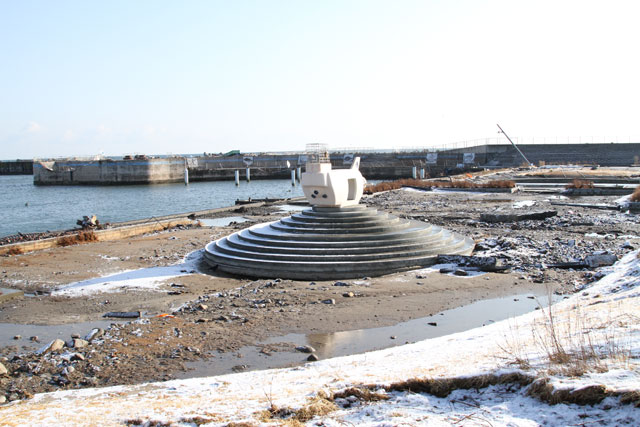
[515,146]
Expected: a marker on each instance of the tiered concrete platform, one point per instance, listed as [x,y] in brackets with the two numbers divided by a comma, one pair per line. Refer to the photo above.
[333,243]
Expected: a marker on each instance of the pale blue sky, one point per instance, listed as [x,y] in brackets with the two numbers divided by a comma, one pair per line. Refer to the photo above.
[156,77]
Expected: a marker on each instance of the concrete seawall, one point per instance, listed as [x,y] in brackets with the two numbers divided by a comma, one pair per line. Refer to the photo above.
[374,165]
[16,167]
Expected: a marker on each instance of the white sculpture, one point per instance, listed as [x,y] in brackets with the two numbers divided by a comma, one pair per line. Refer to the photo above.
[323,186]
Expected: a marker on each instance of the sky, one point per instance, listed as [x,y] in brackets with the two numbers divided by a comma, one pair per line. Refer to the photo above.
[81,78]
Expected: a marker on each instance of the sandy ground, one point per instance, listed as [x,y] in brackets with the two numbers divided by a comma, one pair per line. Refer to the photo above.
[221,314]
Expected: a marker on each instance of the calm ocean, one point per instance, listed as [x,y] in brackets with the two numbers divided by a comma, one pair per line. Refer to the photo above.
[27,208]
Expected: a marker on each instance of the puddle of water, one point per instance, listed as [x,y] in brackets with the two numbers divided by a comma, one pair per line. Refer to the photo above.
[45,333]
[221,222]
[358,341]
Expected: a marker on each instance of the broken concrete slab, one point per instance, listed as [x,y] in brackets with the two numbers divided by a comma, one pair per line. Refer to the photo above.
[495,217]
[590,261]
[489,264]
[123,314]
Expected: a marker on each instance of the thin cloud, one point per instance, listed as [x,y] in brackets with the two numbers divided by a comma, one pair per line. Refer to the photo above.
[32,127]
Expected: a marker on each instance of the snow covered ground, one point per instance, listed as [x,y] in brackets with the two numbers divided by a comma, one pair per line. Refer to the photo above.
[586,349]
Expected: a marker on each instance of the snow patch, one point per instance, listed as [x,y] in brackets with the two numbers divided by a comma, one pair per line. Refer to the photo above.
[143,279]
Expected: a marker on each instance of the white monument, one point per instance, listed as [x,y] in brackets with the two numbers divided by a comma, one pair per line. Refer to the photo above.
[323,186]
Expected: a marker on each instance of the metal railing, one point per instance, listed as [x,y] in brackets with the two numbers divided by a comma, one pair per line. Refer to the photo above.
[498,140]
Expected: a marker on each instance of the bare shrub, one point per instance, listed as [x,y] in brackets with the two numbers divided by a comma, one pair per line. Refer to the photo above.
[572,342]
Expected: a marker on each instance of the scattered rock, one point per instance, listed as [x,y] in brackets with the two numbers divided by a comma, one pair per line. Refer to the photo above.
[34,338]
[2,399]
[306,349]
[313,358]
[341,284]
[17,337]
[3,370]
[460,272]
[432,323]
[329,301]
[202,307]
[600,260]
[79,343]
[94,334]
[54,345]
[348,295]
[446,270]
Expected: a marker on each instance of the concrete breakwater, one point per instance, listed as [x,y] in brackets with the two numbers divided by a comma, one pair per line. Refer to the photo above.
[374,165]
[16,167]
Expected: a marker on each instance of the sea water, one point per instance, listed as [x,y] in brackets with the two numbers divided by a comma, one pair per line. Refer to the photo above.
[27,208]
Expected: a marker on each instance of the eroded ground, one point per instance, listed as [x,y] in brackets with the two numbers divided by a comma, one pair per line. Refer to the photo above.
[211,313]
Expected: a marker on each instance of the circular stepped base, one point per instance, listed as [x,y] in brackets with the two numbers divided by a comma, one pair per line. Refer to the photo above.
[333,243]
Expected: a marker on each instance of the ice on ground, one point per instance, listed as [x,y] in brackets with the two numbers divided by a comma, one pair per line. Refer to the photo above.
[449,266]
[523,204]
[147,278]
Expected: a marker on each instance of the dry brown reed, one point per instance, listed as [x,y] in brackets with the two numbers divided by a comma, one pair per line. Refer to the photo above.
[635,197]
[580,183]
[394,185]
[16,250]
[74,239]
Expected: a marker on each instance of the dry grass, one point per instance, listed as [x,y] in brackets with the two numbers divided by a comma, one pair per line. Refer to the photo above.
[572,341]
[442,387]
[16,250]
[635,197]
[394,185]
[319,405]
[74,239]
[361,393]
[580,183]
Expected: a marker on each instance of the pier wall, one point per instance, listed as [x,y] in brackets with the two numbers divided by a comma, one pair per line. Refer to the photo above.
[373,165]
[16,167]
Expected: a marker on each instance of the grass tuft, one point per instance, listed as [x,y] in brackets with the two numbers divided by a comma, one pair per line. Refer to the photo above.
[635,197]
[317,406]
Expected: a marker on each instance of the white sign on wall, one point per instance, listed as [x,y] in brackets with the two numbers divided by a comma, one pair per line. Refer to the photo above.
[247,160]
[347,159]
[192,162]
[468,157]
[432,158]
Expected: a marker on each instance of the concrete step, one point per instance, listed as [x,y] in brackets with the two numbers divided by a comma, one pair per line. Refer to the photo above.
[310,223]
[314,246]
[331,255]
[325,271]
